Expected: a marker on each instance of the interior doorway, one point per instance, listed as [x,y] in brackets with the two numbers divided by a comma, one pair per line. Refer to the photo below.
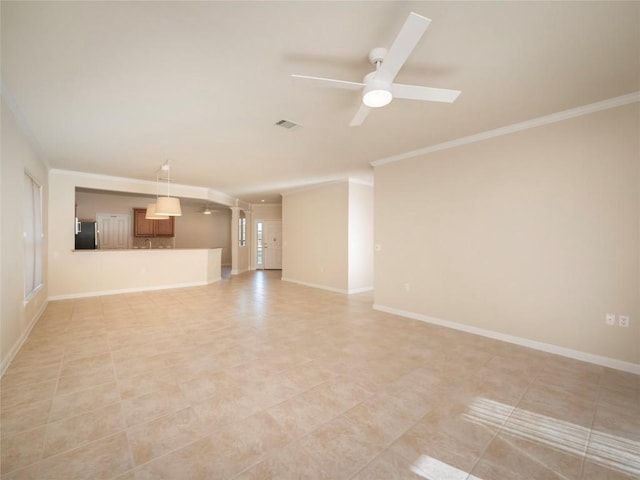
[268,245]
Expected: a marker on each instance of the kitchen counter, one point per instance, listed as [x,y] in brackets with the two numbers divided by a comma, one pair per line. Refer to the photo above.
[134,249]
[84,273]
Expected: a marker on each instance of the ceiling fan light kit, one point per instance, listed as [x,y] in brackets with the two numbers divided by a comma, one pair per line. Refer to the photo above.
[376,93]
[376,98]
[378,88]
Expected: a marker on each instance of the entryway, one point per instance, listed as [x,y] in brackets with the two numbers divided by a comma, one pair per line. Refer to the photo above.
[269,245]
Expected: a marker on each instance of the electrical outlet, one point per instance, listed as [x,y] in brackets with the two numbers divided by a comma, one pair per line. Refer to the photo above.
[407,287]
[623,321]
[610,319]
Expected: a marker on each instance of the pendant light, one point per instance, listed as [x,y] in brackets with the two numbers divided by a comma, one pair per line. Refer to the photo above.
[169,206]
[152,215]
[151,207]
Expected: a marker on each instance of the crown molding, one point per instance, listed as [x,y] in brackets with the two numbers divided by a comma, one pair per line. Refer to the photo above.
[313,186]
[516,127]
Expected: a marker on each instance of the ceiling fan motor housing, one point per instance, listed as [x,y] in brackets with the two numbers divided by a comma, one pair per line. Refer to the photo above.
[376,93]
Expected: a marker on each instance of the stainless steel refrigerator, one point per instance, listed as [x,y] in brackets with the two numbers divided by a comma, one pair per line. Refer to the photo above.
[86,235]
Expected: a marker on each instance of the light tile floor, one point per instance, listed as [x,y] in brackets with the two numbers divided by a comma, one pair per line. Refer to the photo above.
[255,378]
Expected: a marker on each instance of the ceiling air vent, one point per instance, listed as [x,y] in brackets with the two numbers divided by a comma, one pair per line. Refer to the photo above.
[288,124]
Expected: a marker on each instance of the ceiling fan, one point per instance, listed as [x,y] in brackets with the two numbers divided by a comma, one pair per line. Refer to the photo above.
[209,210]
[377,87]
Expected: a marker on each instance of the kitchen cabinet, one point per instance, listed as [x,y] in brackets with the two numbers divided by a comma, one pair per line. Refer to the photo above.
[165,228]
[143,227]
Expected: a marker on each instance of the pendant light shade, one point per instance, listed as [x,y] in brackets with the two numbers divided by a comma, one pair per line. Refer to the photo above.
[152,215]
[168,206]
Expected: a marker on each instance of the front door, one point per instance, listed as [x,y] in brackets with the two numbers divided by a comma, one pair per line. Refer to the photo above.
[272,245]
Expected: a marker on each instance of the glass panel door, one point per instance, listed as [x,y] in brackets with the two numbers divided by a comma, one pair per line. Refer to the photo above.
[259,245]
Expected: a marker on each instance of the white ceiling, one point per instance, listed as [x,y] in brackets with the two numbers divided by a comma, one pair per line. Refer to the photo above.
[117,87]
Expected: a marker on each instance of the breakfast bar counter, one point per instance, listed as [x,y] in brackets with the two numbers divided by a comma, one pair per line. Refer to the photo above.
[87,273]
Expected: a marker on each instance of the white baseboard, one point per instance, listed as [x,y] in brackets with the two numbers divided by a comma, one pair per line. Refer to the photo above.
[130,290]
[360,290]
[331,289]
[238,272]
[316,285]
[18,345]
[525,342]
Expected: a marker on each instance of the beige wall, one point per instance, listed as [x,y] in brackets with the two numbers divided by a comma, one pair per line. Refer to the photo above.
[104,272]
[360,237]
[91,203]
[327,237]
[266,212]
[534,235]
[315,236]
[17,318]
[195,230]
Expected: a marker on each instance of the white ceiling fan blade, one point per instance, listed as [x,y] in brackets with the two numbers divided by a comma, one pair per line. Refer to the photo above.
[403,45]
[328,82]
[360,115]
[429,94]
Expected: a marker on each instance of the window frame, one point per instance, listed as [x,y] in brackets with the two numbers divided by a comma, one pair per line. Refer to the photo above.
[242,231]
[33,236]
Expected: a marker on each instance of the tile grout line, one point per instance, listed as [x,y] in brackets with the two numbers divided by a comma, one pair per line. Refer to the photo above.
[55,390]
[298,439]
[593,421]
[170,320]
[122,419]
[501,427]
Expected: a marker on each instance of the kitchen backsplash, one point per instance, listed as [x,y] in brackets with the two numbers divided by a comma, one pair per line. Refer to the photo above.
[156,242]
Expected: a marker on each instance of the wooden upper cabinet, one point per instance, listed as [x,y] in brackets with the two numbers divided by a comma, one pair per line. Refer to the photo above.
[165,228]
[143,227]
